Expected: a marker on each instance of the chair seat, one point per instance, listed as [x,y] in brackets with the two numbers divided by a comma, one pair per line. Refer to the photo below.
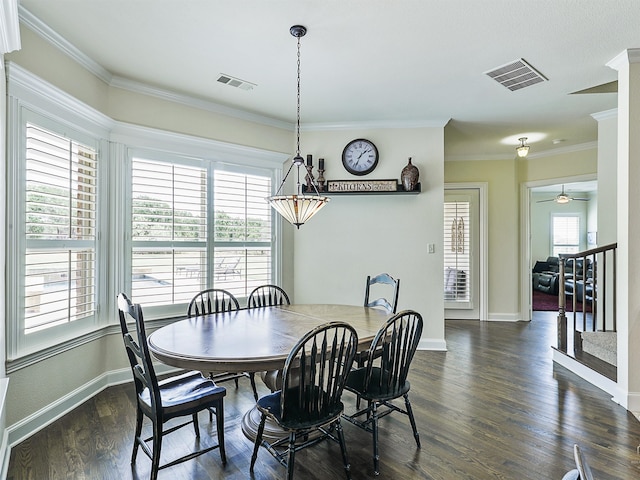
[184,392]
[356,384]
[297,418]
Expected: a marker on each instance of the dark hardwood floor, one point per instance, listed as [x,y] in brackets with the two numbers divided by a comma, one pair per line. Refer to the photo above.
[493,406]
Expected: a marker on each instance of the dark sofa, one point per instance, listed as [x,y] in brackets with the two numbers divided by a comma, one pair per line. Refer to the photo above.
[545,275]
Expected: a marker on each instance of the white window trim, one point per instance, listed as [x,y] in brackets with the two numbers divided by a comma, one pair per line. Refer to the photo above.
[31,99]
[555,215]
[157,154]
[28,93]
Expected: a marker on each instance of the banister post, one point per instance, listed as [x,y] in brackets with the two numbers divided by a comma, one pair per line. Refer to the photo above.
[562,318]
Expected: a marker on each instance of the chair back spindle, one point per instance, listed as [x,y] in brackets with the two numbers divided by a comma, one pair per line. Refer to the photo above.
[392,351]
[213,300]
[267,296]
[315,372]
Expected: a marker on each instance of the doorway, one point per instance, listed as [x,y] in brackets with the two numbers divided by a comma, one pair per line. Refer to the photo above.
[464,256]
[539,209]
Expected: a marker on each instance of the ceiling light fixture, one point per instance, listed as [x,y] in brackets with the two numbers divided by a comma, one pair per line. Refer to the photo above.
[298,208]
[523,148]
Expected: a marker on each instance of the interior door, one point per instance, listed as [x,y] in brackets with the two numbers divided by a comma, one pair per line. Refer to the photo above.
[461,258]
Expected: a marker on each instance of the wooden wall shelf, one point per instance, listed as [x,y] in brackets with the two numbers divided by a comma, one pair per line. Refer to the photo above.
[400,191]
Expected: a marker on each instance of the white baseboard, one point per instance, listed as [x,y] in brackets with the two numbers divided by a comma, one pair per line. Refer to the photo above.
[503,317]
[35,422]
[432,344]
[5,451]
[594,378]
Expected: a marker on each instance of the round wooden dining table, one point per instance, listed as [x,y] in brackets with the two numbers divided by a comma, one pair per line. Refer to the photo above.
[254,339]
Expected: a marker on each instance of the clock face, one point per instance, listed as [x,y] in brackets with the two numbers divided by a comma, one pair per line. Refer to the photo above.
[360,157]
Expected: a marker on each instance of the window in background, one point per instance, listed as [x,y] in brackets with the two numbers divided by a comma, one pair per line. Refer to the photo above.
[565,234]
[60,230]
[197,227]
[457,251]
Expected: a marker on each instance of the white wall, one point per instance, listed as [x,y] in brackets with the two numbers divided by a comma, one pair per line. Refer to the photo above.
[607,176]
[355,236]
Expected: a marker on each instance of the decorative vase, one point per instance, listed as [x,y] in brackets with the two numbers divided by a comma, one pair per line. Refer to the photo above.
[409,176]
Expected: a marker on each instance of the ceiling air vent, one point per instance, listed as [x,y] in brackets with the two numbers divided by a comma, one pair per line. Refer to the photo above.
[235,82]
[516,75]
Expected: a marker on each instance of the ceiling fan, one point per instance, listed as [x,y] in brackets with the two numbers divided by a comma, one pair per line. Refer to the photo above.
[563,197]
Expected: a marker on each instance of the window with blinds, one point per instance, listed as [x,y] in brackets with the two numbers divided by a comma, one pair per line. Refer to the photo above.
[60,230]
[566,234]
[457,255]
[195,228]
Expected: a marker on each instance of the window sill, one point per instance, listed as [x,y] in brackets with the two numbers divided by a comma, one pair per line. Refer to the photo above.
[53,350]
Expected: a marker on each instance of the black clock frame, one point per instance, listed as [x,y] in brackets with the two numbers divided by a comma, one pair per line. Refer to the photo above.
[358,172]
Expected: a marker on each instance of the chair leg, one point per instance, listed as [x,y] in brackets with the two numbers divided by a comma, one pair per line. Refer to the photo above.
[236,380]
[220,429]
[416,435]
[196,427]
[343,449]
[258,441]
[292,455]
[360,364]
[374,425]
[157,447]
[252,379]
[139,418]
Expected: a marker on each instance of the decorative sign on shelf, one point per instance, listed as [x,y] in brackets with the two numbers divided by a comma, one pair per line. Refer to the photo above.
[362,186]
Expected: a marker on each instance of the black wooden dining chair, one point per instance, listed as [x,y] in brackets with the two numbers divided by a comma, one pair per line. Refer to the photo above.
[309,405]
[582,470]
[390,304]
[267,296]
[216,300]
[383,378]
[161,401]
[212,300]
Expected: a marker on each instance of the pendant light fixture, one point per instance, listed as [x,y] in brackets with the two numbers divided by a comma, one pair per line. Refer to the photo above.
[523,148]
[297,208]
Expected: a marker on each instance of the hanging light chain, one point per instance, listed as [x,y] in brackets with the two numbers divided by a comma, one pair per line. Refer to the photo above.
[298,101]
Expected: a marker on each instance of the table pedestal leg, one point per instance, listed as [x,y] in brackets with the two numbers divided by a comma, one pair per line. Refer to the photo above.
[251,421]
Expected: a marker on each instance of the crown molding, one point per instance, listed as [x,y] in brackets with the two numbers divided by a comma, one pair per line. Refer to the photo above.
[373,124]
[145,89]
[33,90]
[49,35]
[626,57]
[606,114]
[9,26]
[55,39]
[532,156]
[581,147]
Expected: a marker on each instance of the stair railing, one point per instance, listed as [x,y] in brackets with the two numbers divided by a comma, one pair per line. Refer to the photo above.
[595,282]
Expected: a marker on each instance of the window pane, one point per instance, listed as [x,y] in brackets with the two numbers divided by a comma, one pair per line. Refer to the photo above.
[60,229]
[172,236]
[457,255]
[566,234]
[242,232]
[169,232]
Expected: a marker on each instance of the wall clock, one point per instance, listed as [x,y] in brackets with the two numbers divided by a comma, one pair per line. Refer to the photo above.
[360,157]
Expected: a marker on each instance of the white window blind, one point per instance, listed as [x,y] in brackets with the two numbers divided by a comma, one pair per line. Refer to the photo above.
[242,232]
[457,255]
[193,230]
[169,231]
[566,234]
[60,230]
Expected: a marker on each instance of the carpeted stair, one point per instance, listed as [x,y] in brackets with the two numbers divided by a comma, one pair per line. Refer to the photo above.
[602,345]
